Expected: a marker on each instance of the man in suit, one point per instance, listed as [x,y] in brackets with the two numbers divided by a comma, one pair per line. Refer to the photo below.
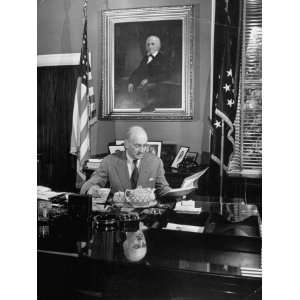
[152,70]
[129,169]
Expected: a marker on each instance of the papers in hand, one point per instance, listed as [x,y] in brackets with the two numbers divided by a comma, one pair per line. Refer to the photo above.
[188,185]
[192,181]
[179,192]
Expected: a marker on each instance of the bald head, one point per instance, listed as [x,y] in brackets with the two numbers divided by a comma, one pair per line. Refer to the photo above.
[152,44]
[136,142]
[136,131]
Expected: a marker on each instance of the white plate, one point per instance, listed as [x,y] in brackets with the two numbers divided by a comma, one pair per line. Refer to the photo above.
[135,204]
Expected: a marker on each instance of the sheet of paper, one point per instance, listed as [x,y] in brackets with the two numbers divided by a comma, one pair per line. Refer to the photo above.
[48,195]
[182,227]
[179,192]
[42,189]
[190,203]
[99,207]
[95,160]
[192,180]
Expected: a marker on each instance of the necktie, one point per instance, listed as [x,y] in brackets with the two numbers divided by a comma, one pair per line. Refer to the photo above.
[134,175]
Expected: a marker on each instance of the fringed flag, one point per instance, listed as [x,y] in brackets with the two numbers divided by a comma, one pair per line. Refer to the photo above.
[84,111]
[225,99]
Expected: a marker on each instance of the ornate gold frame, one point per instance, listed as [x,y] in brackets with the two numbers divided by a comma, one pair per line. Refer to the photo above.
[112,17]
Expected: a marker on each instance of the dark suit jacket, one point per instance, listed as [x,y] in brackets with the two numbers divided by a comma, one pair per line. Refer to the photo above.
[114,170]
[155,71]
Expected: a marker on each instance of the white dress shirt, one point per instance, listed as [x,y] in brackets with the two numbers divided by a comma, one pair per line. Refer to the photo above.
[150,58]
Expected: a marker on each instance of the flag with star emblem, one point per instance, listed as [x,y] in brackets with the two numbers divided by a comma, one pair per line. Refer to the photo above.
[84,110]
[224,91]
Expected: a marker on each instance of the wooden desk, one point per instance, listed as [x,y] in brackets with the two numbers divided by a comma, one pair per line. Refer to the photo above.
[182,265]
[162,275]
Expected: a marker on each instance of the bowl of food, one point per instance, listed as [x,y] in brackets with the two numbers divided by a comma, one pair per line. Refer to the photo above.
[140,197]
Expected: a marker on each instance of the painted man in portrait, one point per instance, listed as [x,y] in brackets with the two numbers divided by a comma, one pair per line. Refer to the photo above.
[152,70]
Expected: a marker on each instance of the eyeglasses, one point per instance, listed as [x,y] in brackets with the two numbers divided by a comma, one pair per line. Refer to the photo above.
[140,146]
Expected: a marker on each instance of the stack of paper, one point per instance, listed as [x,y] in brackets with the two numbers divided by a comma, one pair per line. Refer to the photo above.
[45,193]
[187,206]
[93,163]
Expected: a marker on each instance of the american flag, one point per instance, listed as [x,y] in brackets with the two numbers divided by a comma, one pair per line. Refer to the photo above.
[224,99]
[84,111]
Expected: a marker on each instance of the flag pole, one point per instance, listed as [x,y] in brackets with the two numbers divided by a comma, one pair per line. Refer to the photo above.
[84,8]
[221,169]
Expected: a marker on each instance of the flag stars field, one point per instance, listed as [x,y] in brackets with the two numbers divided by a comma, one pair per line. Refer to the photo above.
[225,106]
[226,87]
[230,102]
[217,124]
[229,73]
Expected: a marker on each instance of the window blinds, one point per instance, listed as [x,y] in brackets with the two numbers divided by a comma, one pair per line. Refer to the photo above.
[247,158]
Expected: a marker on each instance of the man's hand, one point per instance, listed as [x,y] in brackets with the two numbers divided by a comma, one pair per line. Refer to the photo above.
[94,190]
[144,82]
[130,88]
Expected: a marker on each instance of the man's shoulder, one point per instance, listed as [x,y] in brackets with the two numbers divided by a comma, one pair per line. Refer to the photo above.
[151,157]
[118,155]
[160,55]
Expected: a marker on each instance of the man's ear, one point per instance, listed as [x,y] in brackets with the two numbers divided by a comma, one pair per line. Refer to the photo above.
[126,144]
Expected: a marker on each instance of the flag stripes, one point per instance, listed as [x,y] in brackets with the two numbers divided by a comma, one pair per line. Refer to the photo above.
[84,111]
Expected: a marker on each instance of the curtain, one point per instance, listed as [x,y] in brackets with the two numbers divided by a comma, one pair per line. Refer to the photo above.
[55,98]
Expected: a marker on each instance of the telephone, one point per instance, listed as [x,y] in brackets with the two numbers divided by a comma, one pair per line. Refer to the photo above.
[188,164]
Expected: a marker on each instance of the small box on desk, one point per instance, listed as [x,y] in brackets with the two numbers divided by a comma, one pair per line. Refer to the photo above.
[80,212]
[187,207]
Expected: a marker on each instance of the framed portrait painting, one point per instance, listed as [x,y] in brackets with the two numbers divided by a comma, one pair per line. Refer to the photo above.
[191,157]
[154,148]
[147,59]
[180,157]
